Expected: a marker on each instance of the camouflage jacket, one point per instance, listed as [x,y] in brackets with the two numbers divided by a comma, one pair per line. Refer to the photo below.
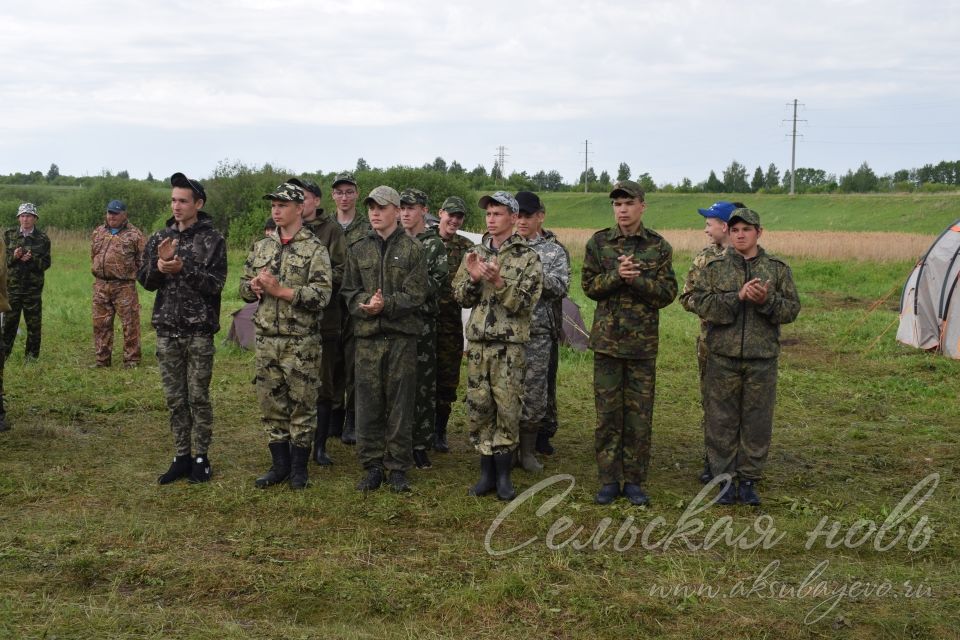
[686,301]
[356,231]
[116,256]
[449,316]
[501,315]
[187,303]
[26,276]
[556,282]
[330,235]
[302,264]
[4,301]
[398,267]
[437,270]
[557,305]
[739,328]
[626,321]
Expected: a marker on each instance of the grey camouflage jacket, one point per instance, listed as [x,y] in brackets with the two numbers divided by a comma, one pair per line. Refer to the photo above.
[501,315]
[556,282]
[303,264]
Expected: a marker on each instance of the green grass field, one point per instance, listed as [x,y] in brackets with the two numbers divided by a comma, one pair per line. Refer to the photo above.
[91,547]
[914,213]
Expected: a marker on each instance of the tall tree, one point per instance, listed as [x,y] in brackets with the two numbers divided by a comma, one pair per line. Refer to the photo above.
[604,177]
[456,169]
[772,179]
[647,183]
[362,165]
[440,165]
[53,173]
[757,183]
[623,173]
[735,178]
[713,184]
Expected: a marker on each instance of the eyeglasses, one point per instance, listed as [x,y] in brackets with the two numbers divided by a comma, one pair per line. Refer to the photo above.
[343,194]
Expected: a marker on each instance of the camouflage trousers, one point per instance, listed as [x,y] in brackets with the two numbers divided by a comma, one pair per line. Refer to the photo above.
[287,368]
[31,305]
[330,357]
[385,381]
[186,366]
[738,405]
[344,364]
[536,381]
[624,390]
[110,298]
[495,373]
[425,412]
[550,422]
[449,358]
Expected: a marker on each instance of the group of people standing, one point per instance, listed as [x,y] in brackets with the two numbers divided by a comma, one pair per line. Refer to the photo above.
[359,332]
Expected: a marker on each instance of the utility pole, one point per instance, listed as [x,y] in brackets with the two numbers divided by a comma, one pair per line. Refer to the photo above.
[793,151]
[500,159]
[586,163]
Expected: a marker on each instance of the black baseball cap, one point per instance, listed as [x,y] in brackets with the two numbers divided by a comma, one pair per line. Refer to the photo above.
[183,182]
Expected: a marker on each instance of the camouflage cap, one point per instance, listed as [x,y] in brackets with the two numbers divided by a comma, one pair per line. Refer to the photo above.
[183,182]
[626,189]
[383,195]
[286,191]
[744,215]
[344,178]
[413,196]
[116,206]
[500,197]
[307,185]
[720,210]
[28,208]
[454,204]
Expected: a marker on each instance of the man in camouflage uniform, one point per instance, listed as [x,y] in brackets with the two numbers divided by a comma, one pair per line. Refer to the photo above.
[628,270]
[384,286]
[744,296]
[330,234]
[449,318]
[413,211]
[548,428]
[355,227]
[4,308]
[116,252]
[715,227]
[186,264]
[289,272]
[501,280]
[28,257]
[543,327]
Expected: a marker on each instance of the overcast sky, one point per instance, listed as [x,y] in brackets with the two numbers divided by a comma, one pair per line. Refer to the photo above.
[674,88]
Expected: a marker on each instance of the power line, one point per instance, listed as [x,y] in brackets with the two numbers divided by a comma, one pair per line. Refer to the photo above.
[586,164]
[500,160]
[793,152]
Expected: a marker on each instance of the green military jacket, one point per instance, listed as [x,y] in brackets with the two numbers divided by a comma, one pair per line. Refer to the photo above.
[303,264]
[4,301]
[330,235]
[437,269]
[686,300]
[627,319]
[449,317]
[739,328]
[26,277]
[501,315]
[396,266]
[356,231]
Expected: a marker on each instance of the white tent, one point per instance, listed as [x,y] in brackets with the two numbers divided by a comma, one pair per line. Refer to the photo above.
[930,304]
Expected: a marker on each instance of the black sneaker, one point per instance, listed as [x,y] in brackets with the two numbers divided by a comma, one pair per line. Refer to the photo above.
[200,470]
[179,468]
[371,481]
[421,459]
[398,482]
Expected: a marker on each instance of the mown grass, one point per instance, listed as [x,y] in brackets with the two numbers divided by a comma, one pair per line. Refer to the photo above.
[91,547]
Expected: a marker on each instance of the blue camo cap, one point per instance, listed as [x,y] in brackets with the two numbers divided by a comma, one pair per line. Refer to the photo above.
[720,210]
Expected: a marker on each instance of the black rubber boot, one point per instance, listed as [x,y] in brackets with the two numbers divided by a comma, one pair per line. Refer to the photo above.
[299,456]
[3,415]
[635,495]
[179,468]
[398,482]
[503,463]
[543,442]
[706,475]
[421,459]
[528,460]
[440,432]
[349,435]
[320,437]
[336,423]
[747,493]
[371,481]
[280,470]
[488,478]
[608,493]
[200,469]
[728,495]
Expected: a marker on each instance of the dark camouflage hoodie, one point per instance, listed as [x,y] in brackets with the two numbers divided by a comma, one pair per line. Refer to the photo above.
[187,303]
[27,277]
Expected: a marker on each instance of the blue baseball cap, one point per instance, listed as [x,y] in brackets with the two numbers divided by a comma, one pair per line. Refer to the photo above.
[116,206]
[720,210]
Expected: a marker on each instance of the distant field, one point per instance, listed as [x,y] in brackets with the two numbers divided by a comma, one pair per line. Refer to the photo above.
[908,213]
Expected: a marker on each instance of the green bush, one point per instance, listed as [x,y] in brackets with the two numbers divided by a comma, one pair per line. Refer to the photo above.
[84,208]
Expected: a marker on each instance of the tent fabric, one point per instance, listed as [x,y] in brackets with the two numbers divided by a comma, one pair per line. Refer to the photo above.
[242,330]
[930,304]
